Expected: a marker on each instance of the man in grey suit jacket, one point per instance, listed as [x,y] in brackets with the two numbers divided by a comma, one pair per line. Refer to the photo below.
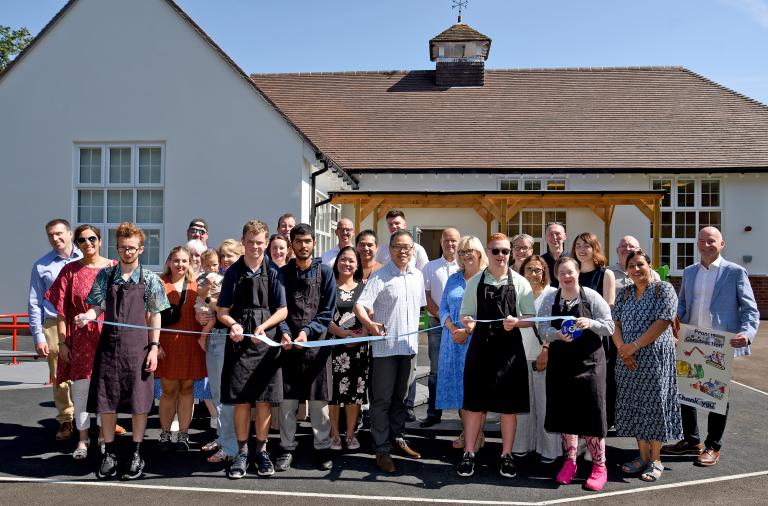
[715,294]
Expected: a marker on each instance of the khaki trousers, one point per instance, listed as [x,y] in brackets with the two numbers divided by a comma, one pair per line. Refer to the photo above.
[61,392]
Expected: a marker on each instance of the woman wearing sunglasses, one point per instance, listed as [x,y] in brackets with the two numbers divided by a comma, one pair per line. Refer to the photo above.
[77,346]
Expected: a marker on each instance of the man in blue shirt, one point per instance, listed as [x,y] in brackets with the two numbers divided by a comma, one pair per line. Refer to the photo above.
[42,315]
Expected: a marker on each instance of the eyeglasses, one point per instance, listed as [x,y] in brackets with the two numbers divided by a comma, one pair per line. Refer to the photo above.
[345,230]
[129,250]
[197,231]
[521,249]
[402,249]
[92,239]
[466,252]
[533,270]
[502,251]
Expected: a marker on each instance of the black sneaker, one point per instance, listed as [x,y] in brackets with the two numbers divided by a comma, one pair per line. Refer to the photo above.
[507,467]
[108,467]
[283,462]
[136,468]
[324,460]
[165,444]
[182,442]
[264,465]
[239,467]
[466,467]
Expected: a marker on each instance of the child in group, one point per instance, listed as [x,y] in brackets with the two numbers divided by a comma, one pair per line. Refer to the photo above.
[208,290]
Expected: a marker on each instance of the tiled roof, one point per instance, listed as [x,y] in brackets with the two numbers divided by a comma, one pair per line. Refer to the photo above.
[545,120]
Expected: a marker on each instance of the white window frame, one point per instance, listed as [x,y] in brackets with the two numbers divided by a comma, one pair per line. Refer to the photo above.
[540,240]
[133,186]
[697,209]
[325,233]
[544,181]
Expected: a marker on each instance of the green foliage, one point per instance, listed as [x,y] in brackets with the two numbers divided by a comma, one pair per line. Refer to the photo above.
[11,43]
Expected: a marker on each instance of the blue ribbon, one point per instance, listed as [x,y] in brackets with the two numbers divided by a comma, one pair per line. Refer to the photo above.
[326,342]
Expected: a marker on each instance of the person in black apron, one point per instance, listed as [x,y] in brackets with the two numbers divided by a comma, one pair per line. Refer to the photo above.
[576,372]
[252,301]
[126,358]
[495,370]
[310,290]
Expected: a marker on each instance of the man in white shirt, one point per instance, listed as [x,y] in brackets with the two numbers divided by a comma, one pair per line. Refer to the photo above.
[436,275]
[715,294]
[345,232]
[396,221]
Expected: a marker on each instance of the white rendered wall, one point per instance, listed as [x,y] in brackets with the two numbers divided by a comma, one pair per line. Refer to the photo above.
[116,71]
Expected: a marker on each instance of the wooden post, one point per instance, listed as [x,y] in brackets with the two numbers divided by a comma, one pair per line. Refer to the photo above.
[375,226]
[357,212]
[503,221]
[657,233]
[488,227]
[608,217]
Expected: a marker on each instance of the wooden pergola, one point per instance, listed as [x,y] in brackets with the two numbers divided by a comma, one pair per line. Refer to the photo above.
[502,205]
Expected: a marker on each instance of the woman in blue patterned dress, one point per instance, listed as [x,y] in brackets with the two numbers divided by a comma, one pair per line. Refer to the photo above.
[646,398]
[454,340]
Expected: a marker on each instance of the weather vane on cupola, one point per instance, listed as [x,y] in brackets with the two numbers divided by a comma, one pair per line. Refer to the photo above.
[460,4]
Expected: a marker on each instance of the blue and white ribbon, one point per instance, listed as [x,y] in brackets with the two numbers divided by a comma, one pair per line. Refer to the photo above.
[326,342]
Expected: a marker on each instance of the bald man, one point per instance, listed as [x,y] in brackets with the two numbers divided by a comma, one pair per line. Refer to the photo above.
[627,245]
[436,274]
[345,232]
[715,294]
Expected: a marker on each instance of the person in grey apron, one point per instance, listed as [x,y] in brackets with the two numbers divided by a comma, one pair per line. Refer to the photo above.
[576,371]
[310,290]
[252,301]
[126,357]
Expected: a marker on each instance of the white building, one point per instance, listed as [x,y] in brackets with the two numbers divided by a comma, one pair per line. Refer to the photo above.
[146,119]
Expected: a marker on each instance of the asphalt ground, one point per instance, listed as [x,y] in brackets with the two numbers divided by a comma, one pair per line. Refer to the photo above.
[34,469]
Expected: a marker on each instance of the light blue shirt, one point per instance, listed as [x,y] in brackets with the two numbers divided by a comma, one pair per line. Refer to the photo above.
[396,299]
[44,273]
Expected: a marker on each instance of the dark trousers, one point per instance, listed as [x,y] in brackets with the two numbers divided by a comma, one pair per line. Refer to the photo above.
[433,347]
[715,426]
[390,378]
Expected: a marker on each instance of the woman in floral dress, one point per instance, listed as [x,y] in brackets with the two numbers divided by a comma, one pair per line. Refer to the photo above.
[78,346]
[350,362]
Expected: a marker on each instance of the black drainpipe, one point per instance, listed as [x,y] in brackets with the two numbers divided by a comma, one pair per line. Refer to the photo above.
[313,206]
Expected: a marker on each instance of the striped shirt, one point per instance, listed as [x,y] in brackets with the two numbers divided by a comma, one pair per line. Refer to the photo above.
[396,299]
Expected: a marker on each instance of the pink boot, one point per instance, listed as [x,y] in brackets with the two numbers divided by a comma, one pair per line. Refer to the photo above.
[567,473]
[597,479]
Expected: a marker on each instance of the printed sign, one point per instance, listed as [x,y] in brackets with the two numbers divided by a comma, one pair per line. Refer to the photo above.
[704,361]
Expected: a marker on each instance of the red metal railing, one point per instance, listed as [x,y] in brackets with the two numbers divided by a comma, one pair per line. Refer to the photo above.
[15,327]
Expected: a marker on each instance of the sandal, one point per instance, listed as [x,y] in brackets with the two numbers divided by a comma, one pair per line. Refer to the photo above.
[219,457]
[653,471]
[211,447]
[81,452]
[458,443]
[634,466]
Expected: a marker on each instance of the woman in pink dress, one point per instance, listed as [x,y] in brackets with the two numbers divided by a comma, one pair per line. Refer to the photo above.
[77,347]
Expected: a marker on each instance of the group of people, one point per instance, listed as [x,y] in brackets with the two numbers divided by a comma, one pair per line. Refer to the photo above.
[250,318]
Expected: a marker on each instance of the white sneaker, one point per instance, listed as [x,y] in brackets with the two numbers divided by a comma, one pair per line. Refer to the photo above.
[175,424]
[214,422]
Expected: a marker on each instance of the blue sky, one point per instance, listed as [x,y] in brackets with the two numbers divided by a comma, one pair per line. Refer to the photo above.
[724,40]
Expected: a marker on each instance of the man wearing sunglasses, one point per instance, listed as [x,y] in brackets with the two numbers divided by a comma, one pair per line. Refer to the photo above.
[198,229]
[496,370]
[42,315]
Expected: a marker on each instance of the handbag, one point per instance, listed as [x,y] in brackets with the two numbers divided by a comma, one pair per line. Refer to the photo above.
[172,314]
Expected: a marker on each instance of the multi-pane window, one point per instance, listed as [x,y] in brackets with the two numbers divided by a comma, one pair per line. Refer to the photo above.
[117,183]
[326,217]
[528,184]
[690,204]
[533,222]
